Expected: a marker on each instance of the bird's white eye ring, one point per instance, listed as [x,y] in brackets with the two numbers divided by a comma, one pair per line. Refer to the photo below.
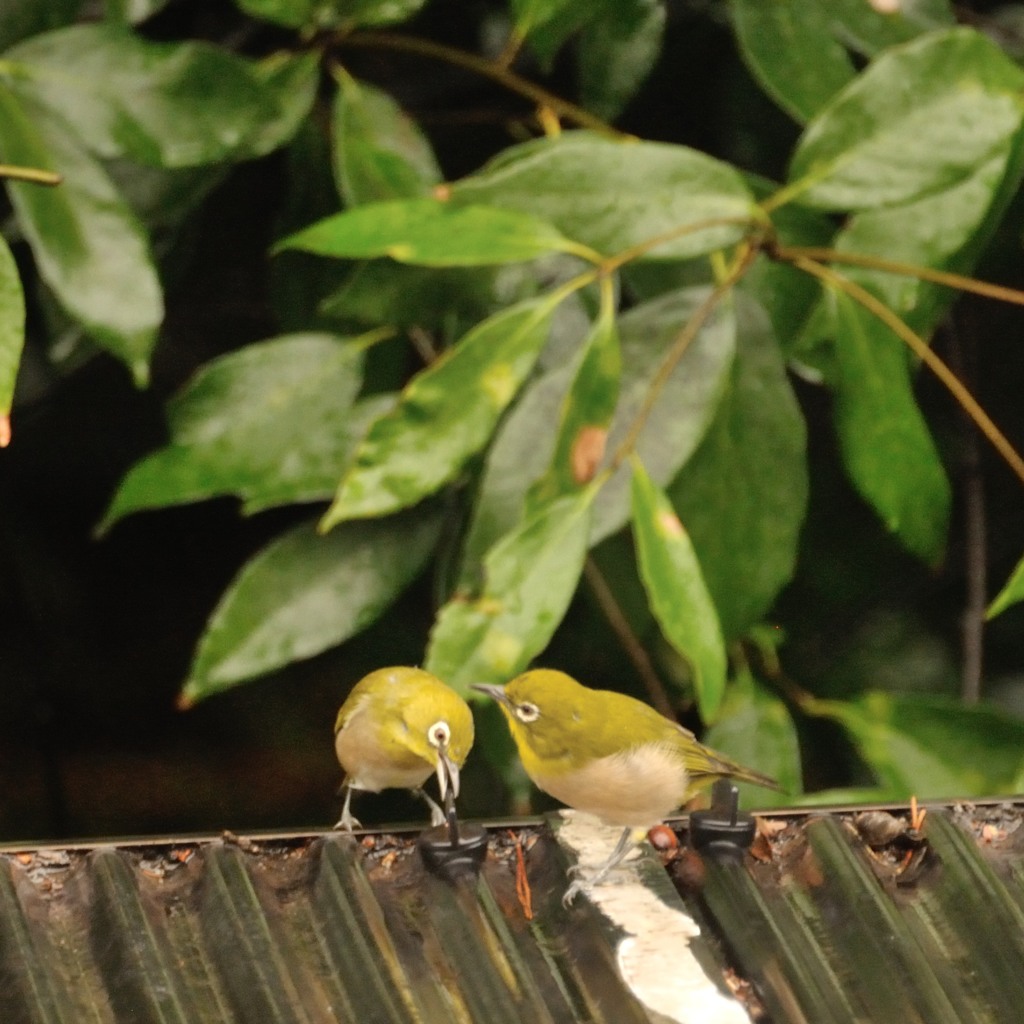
[527,712]
[439,734]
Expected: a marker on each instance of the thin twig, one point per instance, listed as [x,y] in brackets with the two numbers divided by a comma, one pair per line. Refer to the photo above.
[488,69]
[924,352]
[635,650]
[789,254]
[962,357]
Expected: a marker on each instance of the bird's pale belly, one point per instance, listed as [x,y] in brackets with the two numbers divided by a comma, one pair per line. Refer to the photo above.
[637,788]
[373,767]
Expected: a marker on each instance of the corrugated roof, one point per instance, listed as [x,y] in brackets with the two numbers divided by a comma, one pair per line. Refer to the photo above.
[834,917]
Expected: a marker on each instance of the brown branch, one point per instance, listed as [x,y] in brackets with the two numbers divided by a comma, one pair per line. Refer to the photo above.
[961,352]
[481,66]
[924,352]
[635,650]
[790,254]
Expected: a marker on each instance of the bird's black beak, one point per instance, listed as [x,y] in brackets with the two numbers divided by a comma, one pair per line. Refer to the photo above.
[495,692]
[447,773]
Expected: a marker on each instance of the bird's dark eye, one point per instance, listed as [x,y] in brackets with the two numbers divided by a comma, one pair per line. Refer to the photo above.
[527,712]
[439,734]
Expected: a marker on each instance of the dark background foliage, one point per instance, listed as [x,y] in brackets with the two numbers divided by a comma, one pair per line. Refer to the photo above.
[98,633]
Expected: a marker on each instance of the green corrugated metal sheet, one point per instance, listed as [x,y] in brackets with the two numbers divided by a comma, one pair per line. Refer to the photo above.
[834,918]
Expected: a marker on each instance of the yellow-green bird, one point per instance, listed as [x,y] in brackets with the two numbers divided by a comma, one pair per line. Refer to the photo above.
[607,754]
[397,727]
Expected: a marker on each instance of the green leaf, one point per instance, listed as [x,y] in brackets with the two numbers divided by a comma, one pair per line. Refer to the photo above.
[675,587]
[756,729]
[944,230]
[743,494]
[532,574]
[304,593]
[921,118]
[290,82]
[930,746]
[20,19]
[1011,594]
[290,13]
[272,423]
[446,414]
[368,12]
[384,292]
[617,52]
[547,24]
[867,29]
[379,152]
[611,195]
[524,445]
[12,327]
[431,233]
[88,246]
[887,448]
[789,47]
[586,413]
[788,295]
[168,104]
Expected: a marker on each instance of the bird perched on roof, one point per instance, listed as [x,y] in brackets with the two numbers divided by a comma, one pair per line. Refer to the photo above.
[607,754]
[397,727]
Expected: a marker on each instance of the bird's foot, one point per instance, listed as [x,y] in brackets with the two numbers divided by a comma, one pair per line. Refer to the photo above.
[346,823]
[437,815]
[575,888]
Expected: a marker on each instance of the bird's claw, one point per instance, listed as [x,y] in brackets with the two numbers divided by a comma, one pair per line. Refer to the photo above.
[573,891]
[346,823]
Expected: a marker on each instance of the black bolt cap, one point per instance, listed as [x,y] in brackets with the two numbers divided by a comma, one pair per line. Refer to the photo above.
[721,832]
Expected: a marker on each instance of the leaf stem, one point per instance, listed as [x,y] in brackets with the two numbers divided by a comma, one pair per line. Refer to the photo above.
[923,351]
[943,277]
[33,174]
[655,241]
[486,68]
[690,330]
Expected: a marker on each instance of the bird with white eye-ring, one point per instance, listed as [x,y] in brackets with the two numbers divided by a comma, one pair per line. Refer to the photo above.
[397,727]
[607,754]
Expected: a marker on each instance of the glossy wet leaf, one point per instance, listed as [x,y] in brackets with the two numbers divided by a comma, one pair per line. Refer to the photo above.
[12,326]
[379,152]
[678,595]
[88,246]
[271,423]
[756,729]
[524,444]
[169,104]
[887,448]
[931,746]
[945,230]
[616,53]
[446,414]
[531,575]
[304,593]
[611,195]
[1012,593]
[587,413]
[430,233]
[920,118]
[743,493]
[790,49]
